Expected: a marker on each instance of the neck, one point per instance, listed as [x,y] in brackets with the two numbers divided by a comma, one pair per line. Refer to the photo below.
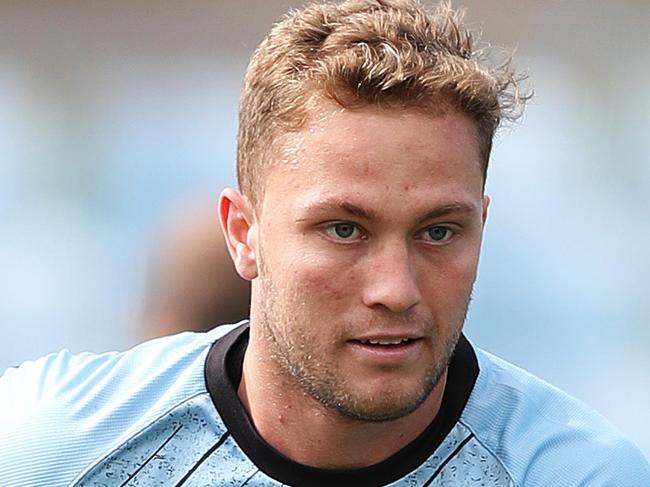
[302,429]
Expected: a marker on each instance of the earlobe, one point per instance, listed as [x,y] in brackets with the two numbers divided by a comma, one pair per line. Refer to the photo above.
[239,229]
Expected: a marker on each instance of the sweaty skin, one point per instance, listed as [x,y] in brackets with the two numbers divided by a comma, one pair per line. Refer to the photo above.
[371,233]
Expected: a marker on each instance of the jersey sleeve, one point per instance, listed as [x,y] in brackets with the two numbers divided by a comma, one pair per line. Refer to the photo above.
[595,464]
[544,436]
[62,413]
[42,403]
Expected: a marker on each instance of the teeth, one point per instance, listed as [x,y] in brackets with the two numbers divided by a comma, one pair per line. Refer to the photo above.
[388,341]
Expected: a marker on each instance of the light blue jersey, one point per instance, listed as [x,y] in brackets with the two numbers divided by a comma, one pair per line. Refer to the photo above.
[166,413]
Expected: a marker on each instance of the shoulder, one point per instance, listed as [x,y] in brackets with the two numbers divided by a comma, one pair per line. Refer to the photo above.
[543,436]
[60,412]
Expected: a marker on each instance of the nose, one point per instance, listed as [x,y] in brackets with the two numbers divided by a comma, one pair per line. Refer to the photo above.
[390,280]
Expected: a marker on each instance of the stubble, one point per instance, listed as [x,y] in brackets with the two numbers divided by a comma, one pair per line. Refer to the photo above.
[301,361]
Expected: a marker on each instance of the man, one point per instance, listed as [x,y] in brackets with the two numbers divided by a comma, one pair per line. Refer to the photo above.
[365,132]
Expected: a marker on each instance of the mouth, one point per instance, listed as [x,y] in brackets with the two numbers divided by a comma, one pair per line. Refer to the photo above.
[389,351]
[386,342]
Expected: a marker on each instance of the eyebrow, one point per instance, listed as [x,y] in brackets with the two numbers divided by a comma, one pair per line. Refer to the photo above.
[458,207]
[338,205]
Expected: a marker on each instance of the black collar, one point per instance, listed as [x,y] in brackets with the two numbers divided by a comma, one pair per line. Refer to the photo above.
[223,370]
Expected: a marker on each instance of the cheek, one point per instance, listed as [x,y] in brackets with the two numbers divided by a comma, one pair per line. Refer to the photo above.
[322,281]
[463,268]
[445,276]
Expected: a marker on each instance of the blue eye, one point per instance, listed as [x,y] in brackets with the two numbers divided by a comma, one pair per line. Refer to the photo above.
[438,234]
[344,230]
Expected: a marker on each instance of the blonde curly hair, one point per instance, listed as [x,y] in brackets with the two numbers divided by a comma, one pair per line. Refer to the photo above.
[385,53]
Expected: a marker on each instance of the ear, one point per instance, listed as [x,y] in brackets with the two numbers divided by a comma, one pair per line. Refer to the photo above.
[484,213]
[240,230]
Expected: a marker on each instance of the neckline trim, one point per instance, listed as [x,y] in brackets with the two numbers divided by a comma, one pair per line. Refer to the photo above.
[223,371]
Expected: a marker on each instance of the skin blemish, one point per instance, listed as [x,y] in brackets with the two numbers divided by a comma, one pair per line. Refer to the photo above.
[365,168]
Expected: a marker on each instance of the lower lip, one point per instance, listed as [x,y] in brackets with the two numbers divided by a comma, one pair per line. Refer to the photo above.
[388,354]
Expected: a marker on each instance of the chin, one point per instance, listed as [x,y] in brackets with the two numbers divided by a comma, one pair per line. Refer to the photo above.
[386,402]
[371,412]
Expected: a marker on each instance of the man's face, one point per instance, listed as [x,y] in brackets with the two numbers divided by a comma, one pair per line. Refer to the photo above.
[369,234]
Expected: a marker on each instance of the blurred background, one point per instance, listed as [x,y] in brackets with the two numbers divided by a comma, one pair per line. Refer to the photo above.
[117,127]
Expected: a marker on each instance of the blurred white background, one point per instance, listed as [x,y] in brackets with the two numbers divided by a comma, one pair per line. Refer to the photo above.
[112,114]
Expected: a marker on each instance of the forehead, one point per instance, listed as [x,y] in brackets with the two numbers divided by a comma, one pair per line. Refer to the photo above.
[374,151]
